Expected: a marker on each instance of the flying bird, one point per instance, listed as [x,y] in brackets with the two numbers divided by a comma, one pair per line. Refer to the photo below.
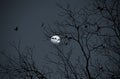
[42,24]
[16,29]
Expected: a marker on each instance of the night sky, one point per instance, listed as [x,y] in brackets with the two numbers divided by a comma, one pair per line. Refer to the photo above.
[88,38]
[27,16]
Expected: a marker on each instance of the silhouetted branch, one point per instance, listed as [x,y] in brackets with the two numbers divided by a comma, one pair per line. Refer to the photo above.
[21,67]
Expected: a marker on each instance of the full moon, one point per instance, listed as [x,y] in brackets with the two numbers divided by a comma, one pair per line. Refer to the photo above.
[55,39]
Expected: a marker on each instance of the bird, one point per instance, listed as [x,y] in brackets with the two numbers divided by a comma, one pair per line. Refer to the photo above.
[16,29]
[42,24]
[98,28]
[100,8]
[86,26]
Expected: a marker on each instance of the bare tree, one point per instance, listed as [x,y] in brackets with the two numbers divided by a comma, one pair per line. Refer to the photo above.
[22,66]
[108,12]
[89,47]
[77,29]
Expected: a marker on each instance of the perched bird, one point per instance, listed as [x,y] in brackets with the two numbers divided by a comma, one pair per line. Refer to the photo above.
[101,68]
[100,8]
[98,28]
[16,29]
[69,38]
[86,26]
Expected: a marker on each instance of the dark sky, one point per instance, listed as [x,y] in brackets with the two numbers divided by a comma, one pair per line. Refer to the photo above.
[28,15]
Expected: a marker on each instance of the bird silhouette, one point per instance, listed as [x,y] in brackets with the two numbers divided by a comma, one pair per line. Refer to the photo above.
[100,8]
[86,26]
[98,28]
[16,29]
[42,24]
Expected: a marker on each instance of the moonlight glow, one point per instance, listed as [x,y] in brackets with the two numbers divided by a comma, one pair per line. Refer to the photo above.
[55,39]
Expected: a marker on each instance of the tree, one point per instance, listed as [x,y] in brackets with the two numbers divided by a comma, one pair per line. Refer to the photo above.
[89,48]
[22,67]
[77,28]
[109,13]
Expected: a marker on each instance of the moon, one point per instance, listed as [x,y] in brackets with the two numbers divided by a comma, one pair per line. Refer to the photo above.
[55,39]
